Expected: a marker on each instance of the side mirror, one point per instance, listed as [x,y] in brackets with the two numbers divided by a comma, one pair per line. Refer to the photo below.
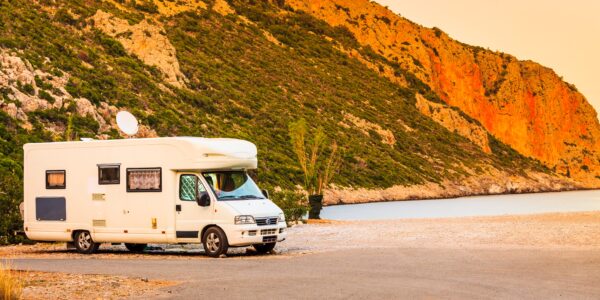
[203,199]
[265,193]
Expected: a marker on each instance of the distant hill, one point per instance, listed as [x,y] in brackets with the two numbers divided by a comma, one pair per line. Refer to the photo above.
[418,114]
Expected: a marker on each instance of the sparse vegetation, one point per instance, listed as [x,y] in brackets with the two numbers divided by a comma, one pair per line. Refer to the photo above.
[11,287]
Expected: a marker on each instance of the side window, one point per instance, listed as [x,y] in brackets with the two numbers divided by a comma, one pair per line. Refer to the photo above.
[56,179]
[109,174]
[188,184]
[144,179]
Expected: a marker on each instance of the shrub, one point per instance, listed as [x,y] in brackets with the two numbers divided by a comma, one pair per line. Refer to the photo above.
[46,96]
[28,88]
[112,46]
[292,203]
[63,16]
[146,6]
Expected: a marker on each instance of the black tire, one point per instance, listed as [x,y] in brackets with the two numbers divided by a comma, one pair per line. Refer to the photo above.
[264,248]
[138,248]
[215,242]
[84,243]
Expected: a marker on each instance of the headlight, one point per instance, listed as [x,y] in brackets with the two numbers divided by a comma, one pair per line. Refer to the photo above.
[239,220]
[281,217]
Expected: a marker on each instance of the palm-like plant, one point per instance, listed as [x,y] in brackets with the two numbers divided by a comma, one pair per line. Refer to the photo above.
[309,147]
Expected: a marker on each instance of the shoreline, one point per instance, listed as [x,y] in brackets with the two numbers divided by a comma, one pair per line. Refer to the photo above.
[550,191]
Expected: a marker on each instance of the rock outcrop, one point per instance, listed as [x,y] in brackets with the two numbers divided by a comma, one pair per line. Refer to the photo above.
[494,182]
[452,120]
[364,126]
[171,8]
[522,103]
[146,41]
[25,89]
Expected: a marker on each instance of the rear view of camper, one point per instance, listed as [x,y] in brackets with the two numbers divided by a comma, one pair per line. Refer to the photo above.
[141,191]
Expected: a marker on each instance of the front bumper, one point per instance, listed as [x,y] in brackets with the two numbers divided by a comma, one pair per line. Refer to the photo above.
[245,235]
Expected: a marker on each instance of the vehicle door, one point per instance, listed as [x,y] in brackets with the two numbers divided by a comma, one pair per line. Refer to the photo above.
[190,217]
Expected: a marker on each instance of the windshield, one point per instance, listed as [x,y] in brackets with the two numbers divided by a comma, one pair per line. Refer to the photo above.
[233,185]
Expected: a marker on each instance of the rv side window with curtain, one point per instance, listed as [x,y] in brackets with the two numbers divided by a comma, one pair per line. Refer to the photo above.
[109,174]
[144,180]
[56,179]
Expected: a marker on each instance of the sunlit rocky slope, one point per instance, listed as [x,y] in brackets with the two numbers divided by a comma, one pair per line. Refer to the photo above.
[522,103]
[418,114]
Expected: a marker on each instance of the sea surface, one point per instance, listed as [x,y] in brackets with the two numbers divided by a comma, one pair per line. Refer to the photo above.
[495,205]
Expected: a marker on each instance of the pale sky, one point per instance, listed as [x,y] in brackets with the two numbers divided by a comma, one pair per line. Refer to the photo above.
[562,35]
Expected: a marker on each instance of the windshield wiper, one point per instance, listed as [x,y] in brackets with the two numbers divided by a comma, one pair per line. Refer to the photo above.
[250,197]
[243,197]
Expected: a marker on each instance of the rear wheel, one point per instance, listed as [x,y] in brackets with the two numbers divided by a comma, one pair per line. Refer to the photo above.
[84,243]
[135,247]
[264,248]
[215,242]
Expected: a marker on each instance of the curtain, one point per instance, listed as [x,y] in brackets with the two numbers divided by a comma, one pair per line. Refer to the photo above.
[144,180]
[56,179]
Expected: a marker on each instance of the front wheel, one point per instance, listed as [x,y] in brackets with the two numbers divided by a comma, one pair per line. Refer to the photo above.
[84,243]
[215,242]
[264,248]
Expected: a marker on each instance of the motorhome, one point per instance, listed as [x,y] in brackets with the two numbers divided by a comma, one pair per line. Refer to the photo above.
[153,190]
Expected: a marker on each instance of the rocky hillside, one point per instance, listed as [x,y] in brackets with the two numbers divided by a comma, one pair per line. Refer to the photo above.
[418,114]
[522,103]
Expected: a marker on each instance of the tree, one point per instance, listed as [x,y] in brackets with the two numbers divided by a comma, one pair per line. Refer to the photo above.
[318,171]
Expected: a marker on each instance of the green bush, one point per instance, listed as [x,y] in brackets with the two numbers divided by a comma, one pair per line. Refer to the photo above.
[63,16]
[46,96]
[293,204]
[145,5]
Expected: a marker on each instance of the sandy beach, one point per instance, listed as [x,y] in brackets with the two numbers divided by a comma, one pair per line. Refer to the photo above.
[510,237]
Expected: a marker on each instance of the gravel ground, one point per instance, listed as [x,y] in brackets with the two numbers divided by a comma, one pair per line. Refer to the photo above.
[42,285]
[577,231]
[545,231]
[571,233]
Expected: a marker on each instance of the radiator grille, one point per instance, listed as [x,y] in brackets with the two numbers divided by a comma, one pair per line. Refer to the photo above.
[266,221]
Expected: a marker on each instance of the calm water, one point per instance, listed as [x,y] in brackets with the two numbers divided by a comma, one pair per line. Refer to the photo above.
[468,206]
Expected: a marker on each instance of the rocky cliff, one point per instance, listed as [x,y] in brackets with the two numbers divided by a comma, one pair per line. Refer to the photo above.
[522,103]
[417,114]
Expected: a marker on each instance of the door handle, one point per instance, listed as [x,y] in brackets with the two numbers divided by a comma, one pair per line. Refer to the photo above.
[178,207]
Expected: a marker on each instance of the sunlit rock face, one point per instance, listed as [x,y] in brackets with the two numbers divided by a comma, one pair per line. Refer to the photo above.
[522,103]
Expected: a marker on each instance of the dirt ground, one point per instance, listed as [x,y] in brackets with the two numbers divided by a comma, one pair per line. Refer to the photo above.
[548,232]
[44,285]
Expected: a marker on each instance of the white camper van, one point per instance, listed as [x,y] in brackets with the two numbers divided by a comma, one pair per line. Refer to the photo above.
[140,191]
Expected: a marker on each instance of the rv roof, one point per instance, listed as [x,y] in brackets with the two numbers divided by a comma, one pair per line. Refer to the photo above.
[197,150]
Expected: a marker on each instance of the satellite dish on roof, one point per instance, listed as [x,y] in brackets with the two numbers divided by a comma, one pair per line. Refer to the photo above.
[127,122]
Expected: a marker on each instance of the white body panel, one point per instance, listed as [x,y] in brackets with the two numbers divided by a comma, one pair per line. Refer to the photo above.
[112,214]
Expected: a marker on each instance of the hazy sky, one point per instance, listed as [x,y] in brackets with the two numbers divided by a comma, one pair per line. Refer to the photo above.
[562,35]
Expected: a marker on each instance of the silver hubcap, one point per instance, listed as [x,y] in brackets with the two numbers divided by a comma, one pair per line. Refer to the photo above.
[212,242]
[84,241]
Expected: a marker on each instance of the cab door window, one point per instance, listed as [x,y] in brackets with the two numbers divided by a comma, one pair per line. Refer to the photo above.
[188,185]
